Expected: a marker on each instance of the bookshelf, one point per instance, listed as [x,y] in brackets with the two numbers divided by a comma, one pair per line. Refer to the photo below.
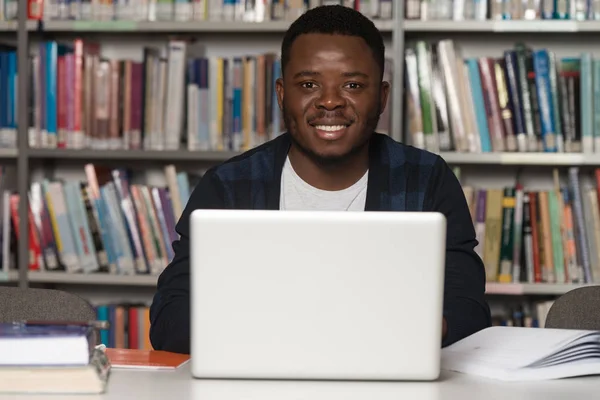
[477,38]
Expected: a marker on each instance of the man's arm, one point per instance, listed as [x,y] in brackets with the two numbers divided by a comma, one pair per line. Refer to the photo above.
[170,310]
[465,308]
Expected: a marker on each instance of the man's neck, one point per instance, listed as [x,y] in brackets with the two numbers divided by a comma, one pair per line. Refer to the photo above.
[335,176]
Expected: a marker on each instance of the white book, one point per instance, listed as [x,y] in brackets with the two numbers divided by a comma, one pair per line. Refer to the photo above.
[525,354]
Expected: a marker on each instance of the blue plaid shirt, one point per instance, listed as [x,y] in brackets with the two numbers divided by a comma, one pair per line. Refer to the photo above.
[401,178]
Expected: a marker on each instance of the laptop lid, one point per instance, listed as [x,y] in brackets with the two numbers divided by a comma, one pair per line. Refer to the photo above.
[316,295]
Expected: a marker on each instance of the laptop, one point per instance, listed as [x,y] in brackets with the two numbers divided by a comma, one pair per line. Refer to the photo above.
[316,295]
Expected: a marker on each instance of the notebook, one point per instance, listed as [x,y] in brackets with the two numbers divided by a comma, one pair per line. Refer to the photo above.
[525,354]
[145,359]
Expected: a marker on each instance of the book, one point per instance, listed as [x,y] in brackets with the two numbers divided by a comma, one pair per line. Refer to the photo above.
[145,359]
[24,344]
[523,354]
[89,378]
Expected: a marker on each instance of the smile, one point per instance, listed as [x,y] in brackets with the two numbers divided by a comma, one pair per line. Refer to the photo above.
[330,132]
[330,128]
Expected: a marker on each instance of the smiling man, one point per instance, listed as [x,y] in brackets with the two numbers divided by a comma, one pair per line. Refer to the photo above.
[332,94]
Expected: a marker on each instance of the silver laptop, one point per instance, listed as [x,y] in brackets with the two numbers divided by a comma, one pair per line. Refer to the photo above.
[316,295]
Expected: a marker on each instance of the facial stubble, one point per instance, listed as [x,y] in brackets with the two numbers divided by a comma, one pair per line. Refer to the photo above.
[324,160]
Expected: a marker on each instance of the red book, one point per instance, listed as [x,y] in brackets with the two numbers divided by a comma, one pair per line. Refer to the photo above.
[35,9]
[535,239]
[133,329]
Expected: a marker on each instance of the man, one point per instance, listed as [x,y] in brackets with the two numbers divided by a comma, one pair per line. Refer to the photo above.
[331,94]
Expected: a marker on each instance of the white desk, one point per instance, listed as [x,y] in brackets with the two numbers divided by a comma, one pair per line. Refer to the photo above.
[178,385]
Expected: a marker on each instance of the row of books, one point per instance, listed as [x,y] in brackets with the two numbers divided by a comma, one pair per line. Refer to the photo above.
[525,100]
[529,314]
[539,236]
[129,326]
[193,10]
[459,10]
[172,99]
[106,224]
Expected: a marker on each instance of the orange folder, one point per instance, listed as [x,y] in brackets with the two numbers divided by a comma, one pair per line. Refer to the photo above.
[145,359]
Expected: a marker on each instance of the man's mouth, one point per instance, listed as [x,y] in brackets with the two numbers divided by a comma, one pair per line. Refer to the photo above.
[330,128]
[330,131]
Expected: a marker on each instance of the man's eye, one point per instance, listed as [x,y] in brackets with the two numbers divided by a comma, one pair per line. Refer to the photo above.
[308,85]
[353,85]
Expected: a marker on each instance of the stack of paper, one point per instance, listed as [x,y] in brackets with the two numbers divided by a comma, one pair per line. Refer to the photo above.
[515,353]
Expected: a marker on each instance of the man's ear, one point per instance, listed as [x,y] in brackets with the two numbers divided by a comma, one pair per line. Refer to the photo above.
[279,89]
[385,92]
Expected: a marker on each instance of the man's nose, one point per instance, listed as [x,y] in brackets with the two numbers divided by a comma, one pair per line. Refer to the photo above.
[330,99]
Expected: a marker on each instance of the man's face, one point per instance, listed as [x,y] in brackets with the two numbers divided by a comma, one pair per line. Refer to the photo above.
[331,95]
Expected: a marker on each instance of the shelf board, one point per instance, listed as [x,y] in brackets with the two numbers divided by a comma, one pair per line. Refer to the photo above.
[492,288]
[6,153]
[540,159]
[173,26]
[92,279]
[537,26]
[516,289]
[550,159]
[130,155]
[8,26]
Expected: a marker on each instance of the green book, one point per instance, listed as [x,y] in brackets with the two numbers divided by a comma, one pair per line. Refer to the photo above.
[555,234]
[506,246]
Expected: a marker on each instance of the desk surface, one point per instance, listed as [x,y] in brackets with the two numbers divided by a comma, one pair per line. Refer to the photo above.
[167,385]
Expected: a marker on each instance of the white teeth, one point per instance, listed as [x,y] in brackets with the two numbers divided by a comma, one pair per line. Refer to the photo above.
[330,128]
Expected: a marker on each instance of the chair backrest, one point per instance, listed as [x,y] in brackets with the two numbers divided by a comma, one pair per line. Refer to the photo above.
[19,304]
[577,309]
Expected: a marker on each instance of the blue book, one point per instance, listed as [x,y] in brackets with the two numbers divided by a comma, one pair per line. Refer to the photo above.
[479,103]
[541,66]
[51,92]
[238,78]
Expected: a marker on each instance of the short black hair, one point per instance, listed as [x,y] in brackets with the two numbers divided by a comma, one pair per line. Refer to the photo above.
[338,20]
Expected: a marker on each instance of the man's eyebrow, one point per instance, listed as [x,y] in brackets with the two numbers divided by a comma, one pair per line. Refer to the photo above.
[350,74]
[305,73]
[353,74]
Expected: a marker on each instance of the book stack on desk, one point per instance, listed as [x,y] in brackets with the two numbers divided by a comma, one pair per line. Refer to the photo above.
[51,359]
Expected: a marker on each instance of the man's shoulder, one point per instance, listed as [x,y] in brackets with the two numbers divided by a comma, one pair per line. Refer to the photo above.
[255,164]
[398,154]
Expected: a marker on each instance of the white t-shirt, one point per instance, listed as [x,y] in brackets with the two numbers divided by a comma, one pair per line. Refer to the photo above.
[296,194]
